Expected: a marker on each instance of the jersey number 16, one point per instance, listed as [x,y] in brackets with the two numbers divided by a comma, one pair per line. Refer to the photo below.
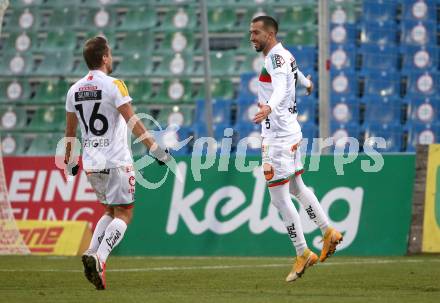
[95,116]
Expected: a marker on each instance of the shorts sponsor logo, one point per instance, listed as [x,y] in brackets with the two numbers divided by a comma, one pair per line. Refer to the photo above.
[132,180]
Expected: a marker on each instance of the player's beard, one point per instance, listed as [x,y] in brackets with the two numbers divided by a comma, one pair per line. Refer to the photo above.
[260,48]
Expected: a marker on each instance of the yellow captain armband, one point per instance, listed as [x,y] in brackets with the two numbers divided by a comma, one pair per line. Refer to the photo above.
[122,87]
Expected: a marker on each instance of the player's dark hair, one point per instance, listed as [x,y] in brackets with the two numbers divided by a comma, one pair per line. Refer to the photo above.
[268,22]
[94,49]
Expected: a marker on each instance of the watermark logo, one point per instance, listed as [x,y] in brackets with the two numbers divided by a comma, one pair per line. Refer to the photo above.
[207,151]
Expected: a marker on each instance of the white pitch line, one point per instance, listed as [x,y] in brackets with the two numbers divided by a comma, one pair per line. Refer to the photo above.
[222,267]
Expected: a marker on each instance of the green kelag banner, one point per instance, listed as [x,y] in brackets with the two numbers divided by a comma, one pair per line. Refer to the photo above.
[229,212]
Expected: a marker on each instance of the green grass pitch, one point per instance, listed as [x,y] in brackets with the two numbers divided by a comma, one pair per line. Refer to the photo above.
[215,279]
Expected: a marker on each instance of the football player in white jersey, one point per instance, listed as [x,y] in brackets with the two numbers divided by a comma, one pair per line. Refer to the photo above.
[281,135]
[102,106]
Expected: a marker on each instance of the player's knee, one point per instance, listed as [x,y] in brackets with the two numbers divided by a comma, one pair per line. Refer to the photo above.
[109,211]
[124,213]
[278,203]
[268,171]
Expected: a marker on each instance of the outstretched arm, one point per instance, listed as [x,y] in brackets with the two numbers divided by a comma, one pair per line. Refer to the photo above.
[140,131]
[305,81]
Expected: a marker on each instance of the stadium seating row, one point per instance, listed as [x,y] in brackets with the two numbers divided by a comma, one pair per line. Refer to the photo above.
[149,17]
[24,92]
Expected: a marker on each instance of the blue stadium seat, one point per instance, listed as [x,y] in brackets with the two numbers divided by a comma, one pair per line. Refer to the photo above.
[423,110]
[301,90]
[418,33]
[171,139]
[309,132]
[246,109]
[379,33]
[221,112]
[343,34]
[422,84]
[343,57]
[305,56]
[219,133]
[385,110]
[307,107]
[371,52]
[420,133]
[419,10]
[248,85]
[343,84]
[392,133]
[379,10]
[419,57]
[249,130]
[341,131]
[344,110]
[381,83]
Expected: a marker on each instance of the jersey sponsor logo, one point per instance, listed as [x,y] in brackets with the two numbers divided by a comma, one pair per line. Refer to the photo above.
[122,87]
[88,95]
[90,78]
[96,142]
[293,64]
[88,87]
[277,60]
[264,76]
[293,109]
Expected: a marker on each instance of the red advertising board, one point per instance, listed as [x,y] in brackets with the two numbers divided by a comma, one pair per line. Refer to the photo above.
[38,190]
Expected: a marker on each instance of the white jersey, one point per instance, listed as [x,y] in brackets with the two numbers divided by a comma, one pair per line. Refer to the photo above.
[276,88]
[95,99]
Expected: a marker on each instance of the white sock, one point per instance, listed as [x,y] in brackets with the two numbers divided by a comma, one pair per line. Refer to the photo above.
[310,203]
[99,231]
[113,235]
[280,198]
